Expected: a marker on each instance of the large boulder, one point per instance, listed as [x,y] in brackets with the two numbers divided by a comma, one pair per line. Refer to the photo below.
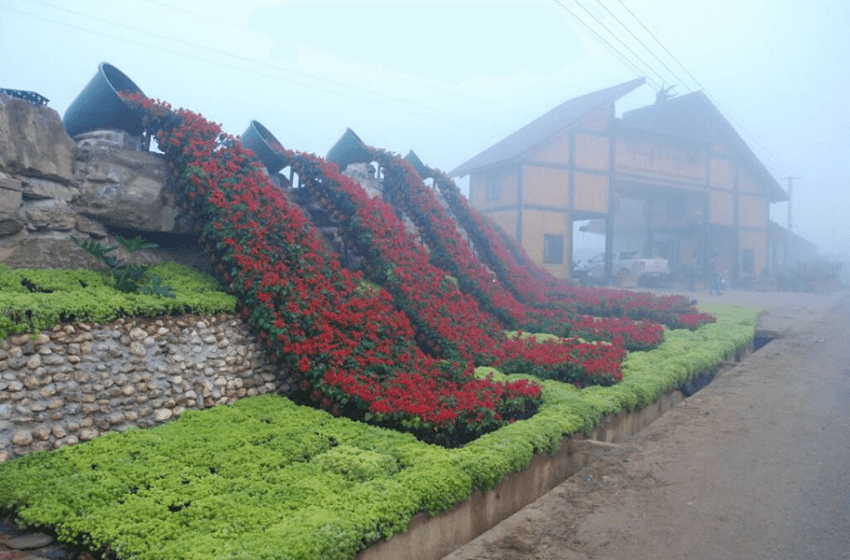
[125,189]
[96,186]
[33,141]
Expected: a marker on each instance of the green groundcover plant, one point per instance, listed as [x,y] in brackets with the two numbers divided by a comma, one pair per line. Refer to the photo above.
[33,300]
[265,478]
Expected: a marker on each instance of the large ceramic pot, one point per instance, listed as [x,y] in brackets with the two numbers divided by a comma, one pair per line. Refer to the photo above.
[349,149]
[263,143]
[100,107]
[423,170]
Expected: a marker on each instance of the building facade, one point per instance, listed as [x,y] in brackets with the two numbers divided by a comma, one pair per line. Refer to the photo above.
[671,179]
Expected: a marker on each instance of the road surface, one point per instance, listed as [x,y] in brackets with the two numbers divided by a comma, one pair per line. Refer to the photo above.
[754,466]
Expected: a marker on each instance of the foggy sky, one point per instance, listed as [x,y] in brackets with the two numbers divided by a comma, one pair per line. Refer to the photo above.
[449,79]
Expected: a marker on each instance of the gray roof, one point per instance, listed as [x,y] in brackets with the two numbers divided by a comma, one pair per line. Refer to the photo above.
[544,127]
[695,116]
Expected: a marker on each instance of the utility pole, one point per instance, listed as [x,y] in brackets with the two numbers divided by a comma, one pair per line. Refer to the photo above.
[790,180]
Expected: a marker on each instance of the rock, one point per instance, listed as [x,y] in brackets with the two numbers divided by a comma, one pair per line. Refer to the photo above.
[33,141]
[88,434]
[41,340]
[43,189]
[125,189]
[30,541]
[41,433]
[11,194]
[106,141]
[53,215]
[138,334]
[137,348]
[91,227]
[31,382]
[162,414]
[9,226]
[52,249]
[22,438]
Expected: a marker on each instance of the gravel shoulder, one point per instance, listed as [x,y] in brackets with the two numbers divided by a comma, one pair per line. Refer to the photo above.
[756,465]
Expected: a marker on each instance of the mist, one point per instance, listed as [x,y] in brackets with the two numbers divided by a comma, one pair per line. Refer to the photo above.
[449,79]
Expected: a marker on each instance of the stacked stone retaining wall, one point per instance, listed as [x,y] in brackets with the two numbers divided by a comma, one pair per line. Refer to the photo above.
[78,381]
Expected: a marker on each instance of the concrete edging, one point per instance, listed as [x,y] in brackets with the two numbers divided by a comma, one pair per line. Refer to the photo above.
[432,538]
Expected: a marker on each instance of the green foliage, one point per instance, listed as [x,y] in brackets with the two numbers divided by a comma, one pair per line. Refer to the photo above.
[130,278]
[265,478]
[34,300]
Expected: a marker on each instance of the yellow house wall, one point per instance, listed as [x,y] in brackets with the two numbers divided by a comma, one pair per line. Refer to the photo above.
[556,150]
[592,151]
[591,192]
[656,159]
[722,208]
[695,210]
[745,182]
[536,224]
[721,173]
[757,241]
[753,211]
[508,190]
[546,186]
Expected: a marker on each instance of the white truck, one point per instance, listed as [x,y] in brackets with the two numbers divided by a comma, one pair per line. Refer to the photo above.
[649,271]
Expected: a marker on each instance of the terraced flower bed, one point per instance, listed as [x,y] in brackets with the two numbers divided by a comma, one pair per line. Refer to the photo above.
[409,353]
[266,478]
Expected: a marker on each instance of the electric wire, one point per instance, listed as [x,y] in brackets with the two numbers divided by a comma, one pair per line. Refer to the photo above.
[650,51]
[614,35]
[565,9]
[246,59]
[419,83]
[767,154]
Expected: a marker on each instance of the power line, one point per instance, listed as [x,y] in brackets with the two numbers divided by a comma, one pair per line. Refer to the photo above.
[650,51]
[651,34]
[728,115]
[395,76]
[246,59]
[605,27]
[564,8]
[202,16]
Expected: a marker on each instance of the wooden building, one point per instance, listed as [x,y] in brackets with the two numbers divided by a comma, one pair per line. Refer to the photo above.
[671,179]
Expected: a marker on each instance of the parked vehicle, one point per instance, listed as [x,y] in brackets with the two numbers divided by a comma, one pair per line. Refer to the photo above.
[650,271]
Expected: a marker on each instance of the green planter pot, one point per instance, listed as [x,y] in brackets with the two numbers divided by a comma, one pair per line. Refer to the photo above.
[349,149]
[263,143]
[99,107]
[423,170]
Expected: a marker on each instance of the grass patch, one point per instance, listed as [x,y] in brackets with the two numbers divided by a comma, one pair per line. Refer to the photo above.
[32,300]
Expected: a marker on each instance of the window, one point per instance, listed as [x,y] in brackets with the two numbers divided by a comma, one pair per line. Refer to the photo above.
[553,249]
[494,187]
[747,261]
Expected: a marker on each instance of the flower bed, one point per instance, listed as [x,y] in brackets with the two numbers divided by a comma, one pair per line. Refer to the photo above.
[448,323]
[265,478]
[356,351]
[454,254]
[535,286]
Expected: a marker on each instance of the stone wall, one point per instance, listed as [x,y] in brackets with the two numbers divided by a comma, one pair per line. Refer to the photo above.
[76,382]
